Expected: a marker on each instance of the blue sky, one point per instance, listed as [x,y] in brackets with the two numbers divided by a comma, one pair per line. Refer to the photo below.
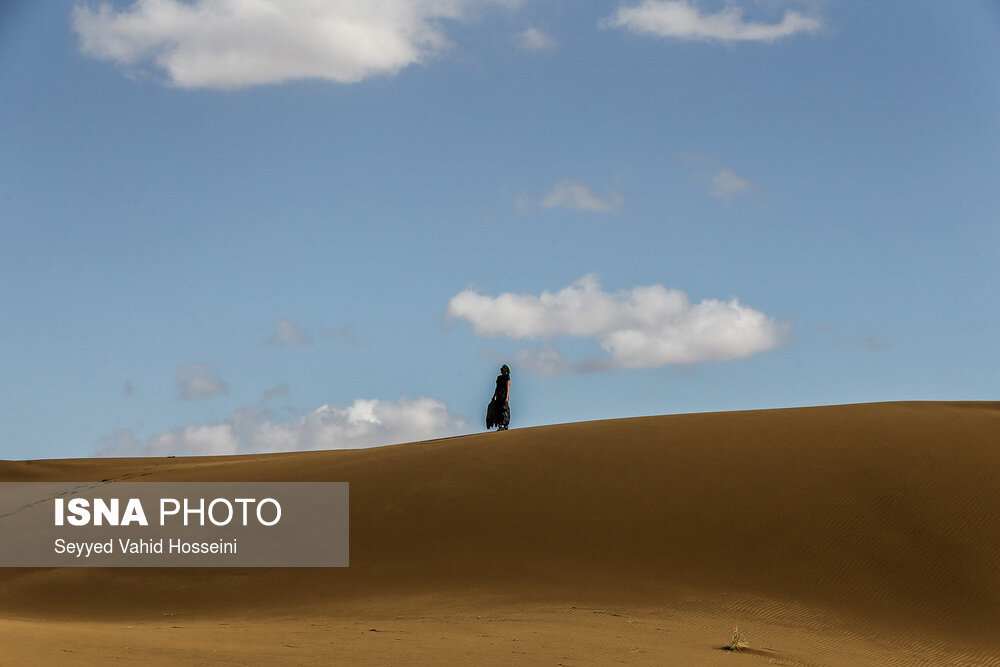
[234,227]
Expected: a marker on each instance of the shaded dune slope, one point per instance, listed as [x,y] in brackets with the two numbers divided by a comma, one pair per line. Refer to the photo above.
[884,512]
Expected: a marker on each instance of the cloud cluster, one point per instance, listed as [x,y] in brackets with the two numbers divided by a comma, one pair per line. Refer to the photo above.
[364,423]
[234,43]
[683,19]
[644,327]
[229,44]
[198,381]
[574,195]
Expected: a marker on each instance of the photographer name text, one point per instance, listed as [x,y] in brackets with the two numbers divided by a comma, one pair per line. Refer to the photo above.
[138,547]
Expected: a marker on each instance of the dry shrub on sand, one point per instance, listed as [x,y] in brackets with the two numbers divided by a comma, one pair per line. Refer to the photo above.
[738,642]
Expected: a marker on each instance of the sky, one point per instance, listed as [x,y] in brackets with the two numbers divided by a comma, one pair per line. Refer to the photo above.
[240,226]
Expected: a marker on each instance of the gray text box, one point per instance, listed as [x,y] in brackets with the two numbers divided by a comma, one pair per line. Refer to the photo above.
[229,524]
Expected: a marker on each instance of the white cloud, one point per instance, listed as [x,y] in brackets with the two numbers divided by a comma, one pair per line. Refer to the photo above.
[726,184]
[287,333]
[570,194]
[683,19]
[365,423]
[197,381]
[644,327]
[211,440]
[533,39]
[234,43]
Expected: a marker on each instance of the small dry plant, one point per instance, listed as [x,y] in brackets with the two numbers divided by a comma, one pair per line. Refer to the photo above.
[738,642]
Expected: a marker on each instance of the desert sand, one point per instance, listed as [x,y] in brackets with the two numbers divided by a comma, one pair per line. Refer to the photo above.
[858,534]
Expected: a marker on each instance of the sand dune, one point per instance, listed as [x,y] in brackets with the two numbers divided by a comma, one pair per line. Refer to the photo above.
[861,534]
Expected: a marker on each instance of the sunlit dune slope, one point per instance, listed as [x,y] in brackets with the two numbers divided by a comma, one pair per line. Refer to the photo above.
[888,512]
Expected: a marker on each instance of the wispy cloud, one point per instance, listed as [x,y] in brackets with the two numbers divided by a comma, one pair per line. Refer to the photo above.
[643,327]
[287,333]
[252,429]
[533,39]
[274,392]
[723,182]
[727,184]
[684,20]
[574,195]
[198,381]
[873,345]
[230,44]
[545,361]
[343,334]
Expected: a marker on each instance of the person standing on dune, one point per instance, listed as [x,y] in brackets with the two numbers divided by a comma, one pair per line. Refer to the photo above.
[501,400]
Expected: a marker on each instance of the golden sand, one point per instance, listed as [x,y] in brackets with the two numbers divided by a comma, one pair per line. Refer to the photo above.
[861,534]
